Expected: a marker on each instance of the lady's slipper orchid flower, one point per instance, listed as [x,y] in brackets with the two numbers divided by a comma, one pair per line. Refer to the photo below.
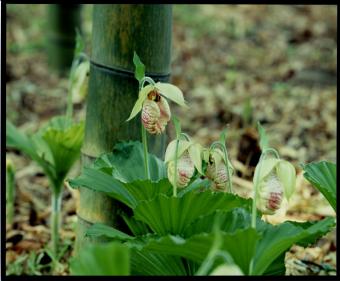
[155,108]
[188,157]
[185,170]
[155,113]
[276,180]
[216,170]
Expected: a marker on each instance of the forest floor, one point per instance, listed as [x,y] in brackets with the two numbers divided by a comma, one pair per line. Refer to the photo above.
[236,65]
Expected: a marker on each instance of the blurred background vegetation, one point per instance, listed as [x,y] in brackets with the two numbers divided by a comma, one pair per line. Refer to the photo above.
[236,65]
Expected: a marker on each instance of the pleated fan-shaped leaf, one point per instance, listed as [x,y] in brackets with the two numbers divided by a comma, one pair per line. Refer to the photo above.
[64,140]
[231,221]
[55,147]
[128,193]
[240,245]
[278,239]
[18,140]
[102,259]
[144,262]
[99,229]
[322,175]
[126,163]
[171,215]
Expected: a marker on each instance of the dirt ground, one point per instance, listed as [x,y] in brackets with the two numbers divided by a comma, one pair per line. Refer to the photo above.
[236,65]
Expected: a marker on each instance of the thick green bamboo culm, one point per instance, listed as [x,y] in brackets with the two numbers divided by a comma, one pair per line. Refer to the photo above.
[118,31]
[62,19]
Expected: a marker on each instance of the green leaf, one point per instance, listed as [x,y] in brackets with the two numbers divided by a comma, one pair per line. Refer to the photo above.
[102,259]
[171,92]
[99,229]
[139,67]
[197,184]
[126,163]
[322,175]
[278,239]
[100,181]
[230,221]
[80,44]
[172,215]
[128,193]
[139,103]
[277,267]
[197,247]
[18,140]
[151,264]
[264,144]
[64,140]
[247,111]
[137,228]
[55,147]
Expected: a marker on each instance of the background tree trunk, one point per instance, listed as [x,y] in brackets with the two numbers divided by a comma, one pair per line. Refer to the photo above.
[118,31]
[63,19]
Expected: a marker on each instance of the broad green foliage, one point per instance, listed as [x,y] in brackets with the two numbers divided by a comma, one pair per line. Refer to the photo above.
[128,193]
[174,235]
[166,214]
[102,259]
[278,239]
[55,147]
[126,163]
[237,218]
[322,175]
[150,263]
[241,245]
[99,229]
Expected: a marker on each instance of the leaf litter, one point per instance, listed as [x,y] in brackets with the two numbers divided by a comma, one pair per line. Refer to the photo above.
[236,65]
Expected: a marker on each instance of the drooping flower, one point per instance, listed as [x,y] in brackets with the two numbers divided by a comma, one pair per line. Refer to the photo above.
[217,171]
[185,170]
[276,180]
[155,108]
[155,113]
[188,157]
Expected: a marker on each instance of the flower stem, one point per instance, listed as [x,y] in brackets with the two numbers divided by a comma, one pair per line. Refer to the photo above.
[146,79]
[256,183]
[186,136]
[55,220]
[145,148]
[175,181]
[10,190]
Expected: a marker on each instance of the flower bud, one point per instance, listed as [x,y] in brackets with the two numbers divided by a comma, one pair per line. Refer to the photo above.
[185,170]
[226,269]
[217,171]
[270,194]
[155,113]
[276,180]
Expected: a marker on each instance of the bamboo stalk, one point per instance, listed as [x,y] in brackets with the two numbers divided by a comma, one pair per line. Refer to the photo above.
[63,19]
[118,31]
